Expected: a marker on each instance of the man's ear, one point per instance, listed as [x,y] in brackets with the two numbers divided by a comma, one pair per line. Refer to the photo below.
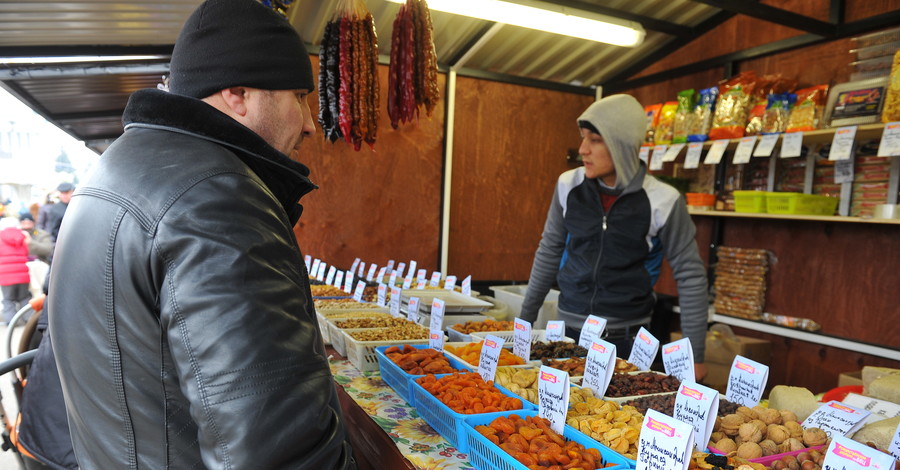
[236,99]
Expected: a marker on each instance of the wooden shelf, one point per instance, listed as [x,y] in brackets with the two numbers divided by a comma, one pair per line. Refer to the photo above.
[817,218]
[822,136]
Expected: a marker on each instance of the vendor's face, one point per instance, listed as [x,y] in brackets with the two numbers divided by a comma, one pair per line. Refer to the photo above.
[283,119]
[598,163]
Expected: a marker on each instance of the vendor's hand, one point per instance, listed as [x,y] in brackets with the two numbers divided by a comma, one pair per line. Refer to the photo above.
[700,371]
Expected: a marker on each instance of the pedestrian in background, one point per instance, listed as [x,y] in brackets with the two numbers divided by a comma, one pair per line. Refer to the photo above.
[14,277]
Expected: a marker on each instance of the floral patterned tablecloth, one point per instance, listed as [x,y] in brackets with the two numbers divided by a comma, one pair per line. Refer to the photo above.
[415,439]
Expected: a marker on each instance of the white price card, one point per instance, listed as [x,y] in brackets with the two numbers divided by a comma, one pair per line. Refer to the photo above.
[656,159]
[672,152]
[308,261]
[362,270]
[556,330]
[348,282]
[714,156]
[842,143]
[435,279]
[420,275]
[402,268]
[420,284]
[392,281]
[890,140]
[490,356]
[320,276]
[380,278]
[744,150]
[339,279]
[467,285]
[678,359]
[329,279]
[836,418]
[412,268]
[880,409]
[766,145]
[843,171]
[791,145]
[894,448]
[645,154]
[382,295]
[522,339]
[315,267]
[412,310]
[846,454]
[599,366]
[390,265]
[358,293]
[450,282]
[395,301]
[436,336]
[591,330]
[407,282]
[695,151]
[371,272]
[553,397]
[746,381]
[644,350]
[698,406]
[665,443]
[354,265]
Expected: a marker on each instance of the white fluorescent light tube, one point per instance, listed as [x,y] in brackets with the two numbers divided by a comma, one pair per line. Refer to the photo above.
[75,59]
[546,17]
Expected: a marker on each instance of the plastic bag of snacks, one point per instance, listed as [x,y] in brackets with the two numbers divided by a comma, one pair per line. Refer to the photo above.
[778,111]
[684,115]
[807,112]
[765,86]
[666,125]
[652,113]
[891,111]
[735,98]
[703,112]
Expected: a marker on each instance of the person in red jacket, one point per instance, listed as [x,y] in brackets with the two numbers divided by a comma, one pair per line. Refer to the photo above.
[14,277]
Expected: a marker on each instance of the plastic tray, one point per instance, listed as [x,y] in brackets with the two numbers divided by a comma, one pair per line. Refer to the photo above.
[878,50]
[323,315]
[750,201]
[797,203]
[447,422]
[362,353]
[769,459]
[399,379]
[537,336]
[337,340]
[485,455]
[475,366]
[454,302]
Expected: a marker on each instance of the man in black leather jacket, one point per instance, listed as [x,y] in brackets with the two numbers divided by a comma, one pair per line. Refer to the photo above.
[179,304]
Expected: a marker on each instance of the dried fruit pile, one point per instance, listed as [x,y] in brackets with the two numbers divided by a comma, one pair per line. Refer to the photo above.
[419,361]
[471,353]
[467,393]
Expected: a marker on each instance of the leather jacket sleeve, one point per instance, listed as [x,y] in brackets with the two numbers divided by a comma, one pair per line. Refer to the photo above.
[236,312]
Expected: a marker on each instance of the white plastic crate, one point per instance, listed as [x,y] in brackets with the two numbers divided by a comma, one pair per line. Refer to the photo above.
[514,296]
[362,353]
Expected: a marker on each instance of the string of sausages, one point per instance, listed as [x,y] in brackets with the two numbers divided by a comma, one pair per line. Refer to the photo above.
[412,75]
[348,80]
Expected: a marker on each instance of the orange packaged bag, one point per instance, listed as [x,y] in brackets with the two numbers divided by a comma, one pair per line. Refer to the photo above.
[807,112]
[735,99]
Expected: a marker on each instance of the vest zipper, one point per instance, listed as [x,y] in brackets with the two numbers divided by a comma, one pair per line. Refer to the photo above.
[597,263]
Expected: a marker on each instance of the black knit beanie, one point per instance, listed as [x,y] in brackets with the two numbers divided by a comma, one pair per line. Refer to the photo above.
[228,43]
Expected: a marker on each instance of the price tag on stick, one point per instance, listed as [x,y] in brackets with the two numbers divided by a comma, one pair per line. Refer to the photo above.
[591,330]
[490,356]
[599,366]
[553,396]
[678,359]
[665,443]
[836,418]
[412,310]
[890,140]
[522,339]
[358,293]
[698,406]
[395,301]
[644,350]
[556,330]
[746,382]
[329,279]
[436,338]
[450,282]
[846,454]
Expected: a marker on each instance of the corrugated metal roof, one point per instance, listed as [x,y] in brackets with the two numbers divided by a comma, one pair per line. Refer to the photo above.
[85,101]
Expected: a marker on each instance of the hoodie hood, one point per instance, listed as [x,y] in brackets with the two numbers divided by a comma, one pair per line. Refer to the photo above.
[13,237]
[620,119]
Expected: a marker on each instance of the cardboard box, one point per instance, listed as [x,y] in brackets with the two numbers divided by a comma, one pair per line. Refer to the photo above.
[717,376]
[850,378]
[721,348]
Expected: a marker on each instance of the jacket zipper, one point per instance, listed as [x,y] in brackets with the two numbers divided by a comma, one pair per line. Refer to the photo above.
[597,263]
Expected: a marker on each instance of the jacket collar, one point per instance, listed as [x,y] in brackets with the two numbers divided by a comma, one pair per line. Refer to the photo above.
[288,180]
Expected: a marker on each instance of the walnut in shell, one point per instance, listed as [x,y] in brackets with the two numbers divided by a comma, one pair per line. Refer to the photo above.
[795,429]
[749,450]
[771,416]
[750,433]
[788,415]
[814,437]
[769,447]
[747,413]
[778,433]
[726,445]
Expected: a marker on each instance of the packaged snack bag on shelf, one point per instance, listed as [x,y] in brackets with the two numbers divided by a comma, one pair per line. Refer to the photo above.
[767,85]
[684,115]
[735,99]
[891,110]
[652,113]
[778,111]
[666,123]
[703,113]
[807,111]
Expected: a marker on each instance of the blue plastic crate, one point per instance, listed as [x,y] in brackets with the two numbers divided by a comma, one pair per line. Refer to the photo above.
[399,379]
[485,455]
[447,422]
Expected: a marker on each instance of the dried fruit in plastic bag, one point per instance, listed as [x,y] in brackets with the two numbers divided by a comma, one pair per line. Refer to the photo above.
[807,112]
[735,98]
[684,115]
[703,113]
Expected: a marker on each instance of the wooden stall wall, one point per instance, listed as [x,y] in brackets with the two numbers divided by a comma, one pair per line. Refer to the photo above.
[376,204]
[509,147]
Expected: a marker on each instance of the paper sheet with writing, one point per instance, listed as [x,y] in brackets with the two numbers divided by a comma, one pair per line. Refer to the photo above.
[371,273]
[412,310]
[412,267]
[522,339]
[553,396]
[354,265]
[591,330]
[644,350]
[836,418]
[329,278]
[382,295]
[392,281]
[665,443]
[314,271]
[421,284]
[467,285]
[348,282]
[766,145]
[308,261]
[362,270]
[490,356]
[656,159]
[358,293]
[420,275]
[390,265]
[894,448]
[556,330]
[381,273]
[744,150]
[698,406]
[407,282]
[846,454]
[395,301]
[435,279]
[880,409]
[678,359]
[436,336]
[320,276]
[599,366]
[746,381]
[890,140]
[692,160]
[791,145]
[672,152]
[339,279]
[842,143]
[716,151]
[644,154]
[450,282]
[402,268]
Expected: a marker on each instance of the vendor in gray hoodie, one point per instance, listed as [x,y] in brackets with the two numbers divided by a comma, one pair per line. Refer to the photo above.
[606,220]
